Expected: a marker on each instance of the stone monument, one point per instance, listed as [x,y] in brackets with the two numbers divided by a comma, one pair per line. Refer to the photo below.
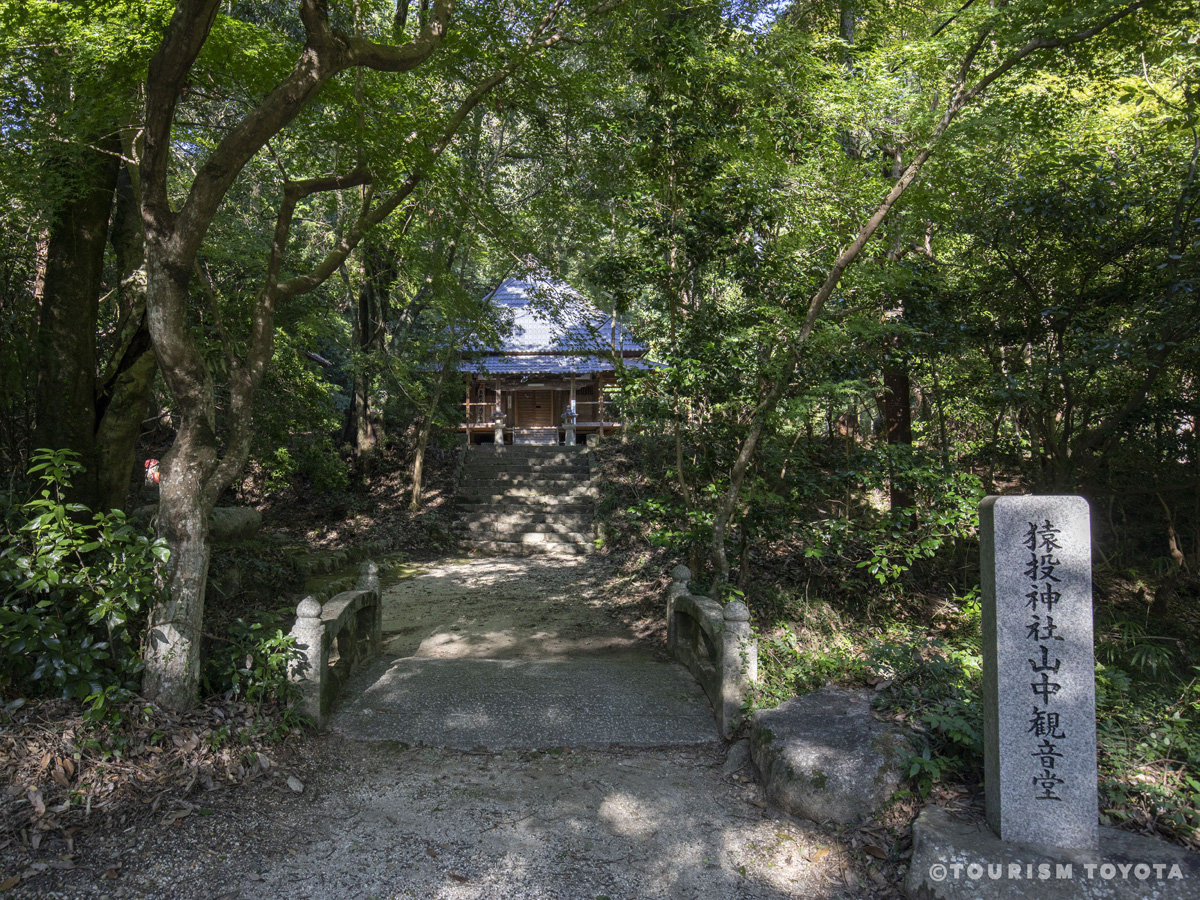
[1039,696]
[1042,840]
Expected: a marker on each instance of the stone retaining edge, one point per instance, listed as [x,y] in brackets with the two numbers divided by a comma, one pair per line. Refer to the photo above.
[355,620]
[716,645]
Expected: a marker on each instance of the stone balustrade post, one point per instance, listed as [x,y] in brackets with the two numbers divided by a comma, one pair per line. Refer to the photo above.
[680,576]
[368,580]
[739,664]
[309,632]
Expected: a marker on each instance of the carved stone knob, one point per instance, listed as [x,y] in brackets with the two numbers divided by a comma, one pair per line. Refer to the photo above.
[737,611]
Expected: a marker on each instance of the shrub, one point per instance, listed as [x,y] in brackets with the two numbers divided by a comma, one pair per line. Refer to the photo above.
[254,663]
[71,585]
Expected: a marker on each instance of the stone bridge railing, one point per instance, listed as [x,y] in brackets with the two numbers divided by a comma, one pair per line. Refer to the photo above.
[715,643]
[336,638]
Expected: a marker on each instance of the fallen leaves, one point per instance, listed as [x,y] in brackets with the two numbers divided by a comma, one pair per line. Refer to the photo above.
[175,816]
[816,854]
[61,771]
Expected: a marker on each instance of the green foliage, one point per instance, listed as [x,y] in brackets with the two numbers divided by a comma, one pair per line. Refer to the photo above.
[1126,644]
[254,663]
[1149,743]
[789,665]
[72,584]
[887,544]
[930,685]
[937,690]
[299,409]
[667,523]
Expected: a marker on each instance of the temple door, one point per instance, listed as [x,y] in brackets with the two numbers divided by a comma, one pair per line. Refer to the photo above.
[535,409]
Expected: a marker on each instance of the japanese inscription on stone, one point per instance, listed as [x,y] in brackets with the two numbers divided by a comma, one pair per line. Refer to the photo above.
[1038,670]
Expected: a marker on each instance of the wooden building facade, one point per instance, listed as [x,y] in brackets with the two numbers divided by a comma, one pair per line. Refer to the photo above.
[553,378]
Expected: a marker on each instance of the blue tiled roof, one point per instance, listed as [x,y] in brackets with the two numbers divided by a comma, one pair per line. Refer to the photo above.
[548,364]
[560,320]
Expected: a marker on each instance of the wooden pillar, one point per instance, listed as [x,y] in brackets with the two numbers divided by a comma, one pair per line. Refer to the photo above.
[600,401]
[572,407]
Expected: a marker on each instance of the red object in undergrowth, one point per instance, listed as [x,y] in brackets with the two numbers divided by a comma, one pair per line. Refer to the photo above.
[151,471]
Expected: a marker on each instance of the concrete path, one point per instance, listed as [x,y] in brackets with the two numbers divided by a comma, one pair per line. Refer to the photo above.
[520,654]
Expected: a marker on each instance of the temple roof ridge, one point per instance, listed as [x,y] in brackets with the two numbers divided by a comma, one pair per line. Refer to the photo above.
[551,317]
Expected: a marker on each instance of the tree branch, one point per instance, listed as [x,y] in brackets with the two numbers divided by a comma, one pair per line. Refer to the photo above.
[534,44]
[326,52]
[188,30]
[961,96]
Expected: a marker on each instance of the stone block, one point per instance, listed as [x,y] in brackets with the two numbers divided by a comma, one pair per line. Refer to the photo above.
[957,859]
[824,757]
[234,523]
[1039,702]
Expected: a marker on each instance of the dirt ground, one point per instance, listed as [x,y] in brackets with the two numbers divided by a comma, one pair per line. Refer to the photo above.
[329,817]
[506,608]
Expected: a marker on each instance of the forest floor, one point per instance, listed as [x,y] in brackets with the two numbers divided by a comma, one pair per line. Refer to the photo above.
[322,815]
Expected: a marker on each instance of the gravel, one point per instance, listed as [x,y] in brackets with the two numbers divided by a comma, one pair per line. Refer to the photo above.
[335,817]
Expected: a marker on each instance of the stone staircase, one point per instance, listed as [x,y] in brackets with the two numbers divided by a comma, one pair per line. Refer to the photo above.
[526,498]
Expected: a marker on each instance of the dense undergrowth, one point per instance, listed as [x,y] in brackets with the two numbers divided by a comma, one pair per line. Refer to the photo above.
[866,600]
[76,588]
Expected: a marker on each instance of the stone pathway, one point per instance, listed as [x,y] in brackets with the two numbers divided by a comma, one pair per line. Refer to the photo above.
[505,654]
[495,654]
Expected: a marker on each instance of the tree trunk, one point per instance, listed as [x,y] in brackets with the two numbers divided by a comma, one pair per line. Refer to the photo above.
[127,397]
[728,503]
[418,467]
[124,396]
[897,415]
[68,305]
[187,492]
[173,640]
[369,317]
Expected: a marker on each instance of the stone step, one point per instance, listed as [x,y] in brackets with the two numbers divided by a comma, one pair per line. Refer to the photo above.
[509,475]
[524,451]
[475,538]
[513,548]
[489,493]
[548,477]
[526,498]
[522,505]
[522,527]
[580,492]
[539,436]
[554,521]
[494,463]
[520,489]
[519,452]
